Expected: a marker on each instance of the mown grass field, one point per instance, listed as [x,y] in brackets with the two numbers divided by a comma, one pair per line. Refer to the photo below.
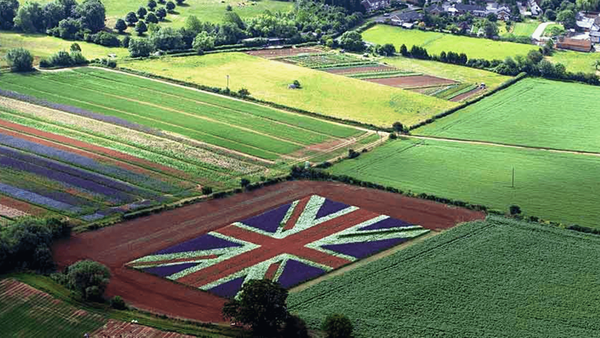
[42,46]
[576,61]
[493,278]
[323,93]
[435,43]
[532,112]
[558,187]
[525,28]
[205,10]
[448,71]
[247,128]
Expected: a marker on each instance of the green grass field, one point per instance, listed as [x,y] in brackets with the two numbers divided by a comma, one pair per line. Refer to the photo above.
[532,112]
[548,29]
[435,43]
[448,71]
[323,93]
[493,278]
[205,10]
[232,124]
[525,28]
[43,46]
[558,187]
[576,61]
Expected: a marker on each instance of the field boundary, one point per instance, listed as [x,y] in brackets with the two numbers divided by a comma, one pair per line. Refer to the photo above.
[507,145]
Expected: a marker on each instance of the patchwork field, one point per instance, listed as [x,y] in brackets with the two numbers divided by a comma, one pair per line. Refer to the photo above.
[496,278]
[140,103]
[321,92]
[435,43]
[205,10]
[308,228]
[42,46]
[532,112]
[553,186]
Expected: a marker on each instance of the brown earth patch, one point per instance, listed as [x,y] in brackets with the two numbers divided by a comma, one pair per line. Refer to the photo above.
[117,245]
[413,81]
[358,70]
[279,52]
[22,206]
[321,147]
[115,328]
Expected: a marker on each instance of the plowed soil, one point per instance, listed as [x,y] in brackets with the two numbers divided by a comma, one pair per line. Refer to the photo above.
[466,95]
[413,81]
[359,70]
[278,52]
[117,245]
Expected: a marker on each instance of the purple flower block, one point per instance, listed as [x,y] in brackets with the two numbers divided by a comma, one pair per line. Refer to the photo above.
[387,223]
[228,289]
[270,220]
[330,207]
[364,249]
[296,272]
[204,242]
[167,270]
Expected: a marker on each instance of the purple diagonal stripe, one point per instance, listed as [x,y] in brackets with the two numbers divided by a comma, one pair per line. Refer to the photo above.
[364,249]
[228,289]
[296,272]
[164,271]
[205,242]
[387,223]
[269,221]
[330,207]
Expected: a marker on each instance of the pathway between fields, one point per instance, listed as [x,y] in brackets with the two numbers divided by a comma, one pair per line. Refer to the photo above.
[537,34]
[553,150]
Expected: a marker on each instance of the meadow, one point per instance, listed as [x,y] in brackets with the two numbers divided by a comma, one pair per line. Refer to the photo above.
[558,187]
[231,124]
[576,61]
[525,28]
[493,278]
[532,112]
[448,71]
[435,43]
[42,46]
[205,10]
[322,93]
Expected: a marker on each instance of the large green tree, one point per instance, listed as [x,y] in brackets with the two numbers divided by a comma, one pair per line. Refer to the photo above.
[89,278]
[261,304]
[19,60]
[93,15]
[352,41]
[30,18]
[8,11]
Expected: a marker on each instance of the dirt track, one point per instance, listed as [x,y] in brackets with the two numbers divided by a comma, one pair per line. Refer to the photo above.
[119,244]
[278,52]
[412,81]
[358,70]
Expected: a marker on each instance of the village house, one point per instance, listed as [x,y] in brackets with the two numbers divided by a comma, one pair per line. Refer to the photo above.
[580,45]
[456,8]
[373,5]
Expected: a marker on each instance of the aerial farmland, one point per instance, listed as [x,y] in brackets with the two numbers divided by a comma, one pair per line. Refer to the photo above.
[203,168]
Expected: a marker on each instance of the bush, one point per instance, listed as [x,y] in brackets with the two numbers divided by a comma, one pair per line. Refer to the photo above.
[89,278]
[19,60]
[514,210]
[244,182]
[61,59]
[206,190]
[106,39]
[294,327]
[337,326]
[118,303]
[140,47]
[352,153]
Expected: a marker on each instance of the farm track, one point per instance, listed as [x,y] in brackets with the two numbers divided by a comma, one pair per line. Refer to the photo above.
[495,144]
[115,246]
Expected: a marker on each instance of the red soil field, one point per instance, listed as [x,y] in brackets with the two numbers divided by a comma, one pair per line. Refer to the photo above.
[361,69]
[115,246]
[279,52]
[413,81]
[90,147]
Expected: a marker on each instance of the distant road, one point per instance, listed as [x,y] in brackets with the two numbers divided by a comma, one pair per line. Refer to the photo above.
[540,30]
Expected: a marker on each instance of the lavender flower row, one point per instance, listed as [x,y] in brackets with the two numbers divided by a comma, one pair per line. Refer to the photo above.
[63,156]
[268,221]
[204,242]
[77,111]
[296,272]
[364,249]
[110,194]
[36,198]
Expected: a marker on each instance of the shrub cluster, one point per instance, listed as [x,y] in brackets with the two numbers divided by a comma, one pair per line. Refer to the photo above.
[64,59]
[25,244]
